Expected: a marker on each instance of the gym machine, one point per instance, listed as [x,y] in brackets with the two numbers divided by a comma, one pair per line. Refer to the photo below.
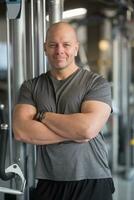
[26,28]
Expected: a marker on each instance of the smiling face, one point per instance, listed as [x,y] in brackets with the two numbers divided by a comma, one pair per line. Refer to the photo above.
[61,46]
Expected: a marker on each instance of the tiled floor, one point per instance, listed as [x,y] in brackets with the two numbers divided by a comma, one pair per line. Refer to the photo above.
[124,188]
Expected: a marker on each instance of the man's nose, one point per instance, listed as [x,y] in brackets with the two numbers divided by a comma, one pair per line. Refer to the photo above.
[60,49]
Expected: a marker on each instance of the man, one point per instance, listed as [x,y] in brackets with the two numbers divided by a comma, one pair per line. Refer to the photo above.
[63,112]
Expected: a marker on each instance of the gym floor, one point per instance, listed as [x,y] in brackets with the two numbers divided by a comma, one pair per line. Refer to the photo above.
[124,188]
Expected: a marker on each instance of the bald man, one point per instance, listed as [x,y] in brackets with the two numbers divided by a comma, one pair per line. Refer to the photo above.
[63,112]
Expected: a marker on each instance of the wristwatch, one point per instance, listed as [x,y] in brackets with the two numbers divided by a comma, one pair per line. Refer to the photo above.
[40,116]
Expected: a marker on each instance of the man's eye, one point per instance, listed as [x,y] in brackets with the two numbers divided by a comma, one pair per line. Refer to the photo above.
[66,45]
[52,45]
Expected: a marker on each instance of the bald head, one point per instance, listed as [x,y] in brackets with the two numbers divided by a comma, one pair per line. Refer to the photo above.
[61,27]
[61,46]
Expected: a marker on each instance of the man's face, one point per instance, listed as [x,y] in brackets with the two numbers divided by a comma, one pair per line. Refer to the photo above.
[61,47]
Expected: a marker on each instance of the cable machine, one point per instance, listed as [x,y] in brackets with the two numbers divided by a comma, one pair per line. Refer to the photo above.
[12,172]
[26,29]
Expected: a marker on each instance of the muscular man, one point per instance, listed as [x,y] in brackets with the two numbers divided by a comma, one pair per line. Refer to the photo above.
[63,112]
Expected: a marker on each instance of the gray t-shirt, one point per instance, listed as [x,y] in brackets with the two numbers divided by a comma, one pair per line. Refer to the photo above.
[68,161]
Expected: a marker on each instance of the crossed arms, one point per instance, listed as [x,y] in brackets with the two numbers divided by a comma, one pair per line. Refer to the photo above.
[55,128]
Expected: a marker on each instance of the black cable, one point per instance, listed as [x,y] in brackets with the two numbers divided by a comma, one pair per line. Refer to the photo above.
[3,149]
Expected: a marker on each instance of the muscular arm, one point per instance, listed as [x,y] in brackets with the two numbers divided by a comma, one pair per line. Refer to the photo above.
[79,126]
[28,130]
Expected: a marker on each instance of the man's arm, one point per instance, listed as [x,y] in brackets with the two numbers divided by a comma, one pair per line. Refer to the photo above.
[79,126]
[28,130]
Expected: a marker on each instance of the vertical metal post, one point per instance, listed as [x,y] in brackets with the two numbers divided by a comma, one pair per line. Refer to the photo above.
[18,42]
[9,92]
[44,32]
[33,73]
[116,94]
[55,10]
[125,99]
[40,36]
[129,171]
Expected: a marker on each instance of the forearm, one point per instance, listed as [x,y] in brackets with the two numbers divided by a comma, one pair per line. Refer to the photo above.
[85,125]
[72,126]
[35,132]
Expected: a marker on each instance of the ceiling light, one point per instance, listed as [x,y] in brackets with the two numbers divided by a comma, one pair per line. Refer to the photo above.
[104,45]
[73,13]
[78,12]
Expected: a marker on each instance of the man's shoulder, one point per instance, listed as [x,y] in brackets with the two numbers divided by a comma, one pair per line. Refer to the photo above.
[91,75]
[35,79]
[93,80]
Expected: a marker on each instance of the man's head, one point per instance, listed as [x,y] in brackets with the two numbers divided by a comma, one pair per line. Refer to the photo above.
[61,45]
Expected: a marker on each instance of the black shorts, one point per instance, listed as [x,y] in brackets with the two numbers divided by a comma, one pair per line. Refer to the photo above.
[94,189]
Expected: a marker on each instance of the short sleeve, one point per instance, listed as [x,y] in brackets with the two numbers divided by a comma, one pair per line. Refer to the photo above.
[25,94]
[100,90]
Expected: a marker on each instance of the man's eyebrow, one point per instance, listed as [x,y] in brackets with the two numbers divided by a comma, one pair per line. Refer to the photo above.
[52,42]
[64,42]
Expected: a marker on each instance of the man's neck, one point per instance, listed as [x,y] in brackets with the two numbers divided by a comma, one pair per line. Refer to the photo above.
[63,73]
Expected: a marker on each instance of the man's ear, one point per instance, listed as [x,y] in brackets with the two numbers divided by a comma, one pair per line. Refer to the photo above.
[45,47]
[77,49]
[76,52]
